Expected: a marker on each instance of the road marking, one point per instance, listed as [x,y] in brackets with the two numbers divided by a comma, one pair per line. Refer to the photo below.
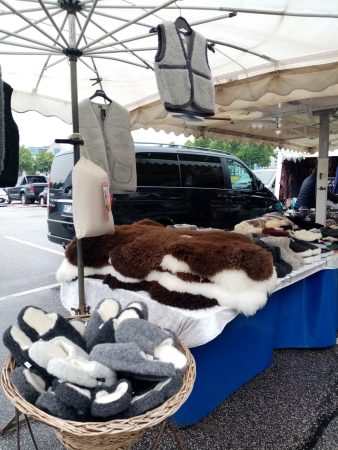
[35,245]
[31,291]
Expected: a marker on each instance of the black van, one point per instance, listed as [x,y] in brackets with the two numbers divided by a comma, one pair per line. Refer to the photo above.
[175,185]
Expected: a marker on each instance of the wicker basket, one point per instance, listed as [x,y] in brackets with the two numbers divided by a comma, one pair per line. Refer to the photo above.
[112,435]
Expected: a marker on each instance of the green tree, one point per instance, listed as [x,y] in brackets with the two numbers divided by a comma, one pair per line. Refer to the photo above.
[43,162]
[252,154]
[26,161]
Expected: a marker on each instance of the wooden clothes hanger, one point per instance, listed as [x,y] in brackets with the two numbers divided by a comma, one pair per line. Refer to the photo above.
[100,93]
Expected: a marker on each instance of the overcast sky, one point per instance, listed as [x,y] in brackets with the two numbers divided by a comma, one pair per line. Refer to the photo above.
[38,131]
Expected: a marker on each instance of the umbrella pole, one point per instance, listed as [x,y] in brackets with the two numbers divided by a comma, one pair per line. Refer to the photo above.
[82,309]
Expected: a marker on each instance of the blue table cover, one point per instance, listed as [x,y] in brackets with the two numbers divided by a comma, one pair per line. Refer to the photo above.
[304,315]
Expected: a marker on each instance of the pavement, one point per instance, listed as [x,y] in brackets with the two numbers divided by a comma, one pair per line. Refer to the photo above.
[293,405]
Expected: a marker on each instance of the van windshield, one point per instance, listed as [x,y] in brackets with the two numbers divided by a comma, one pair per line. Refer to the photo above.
[265,175]
[61,169]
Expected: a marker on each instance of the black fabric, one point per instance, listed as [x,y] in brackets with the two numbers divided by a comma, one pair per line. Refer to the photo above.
[10,172]
[307,193]
[282,267]
[305,224]
[2,126]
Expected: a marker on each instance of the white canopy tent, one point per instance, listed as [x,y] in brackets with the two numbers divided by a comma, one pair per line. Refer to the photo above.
[275,65]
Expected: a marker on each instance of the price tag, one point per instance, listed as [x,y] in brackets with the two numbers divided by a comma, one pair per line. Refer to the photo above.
[106,199]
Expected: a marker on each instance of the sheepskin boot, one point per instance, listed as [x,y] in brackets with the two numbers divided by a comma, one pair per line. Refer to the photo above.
[108,402]
[38,324]
[286,253]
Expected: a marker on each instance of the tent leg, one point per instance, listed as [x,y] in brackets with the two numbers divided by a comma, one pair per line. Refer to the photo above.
[322,168]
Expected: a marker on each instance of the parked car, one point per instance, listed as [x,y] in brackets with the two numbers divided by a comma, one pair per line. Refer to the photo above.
[267,176]
[3,197]
[174,185]
[43,197]
[27,188]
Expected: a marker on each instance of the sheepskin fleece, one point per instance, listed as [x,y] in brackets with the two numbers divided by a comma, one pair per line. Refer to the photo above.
[189,269]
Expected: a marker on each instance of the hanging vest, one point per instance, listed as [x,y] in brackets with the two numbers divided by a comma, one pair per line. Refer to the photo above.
[109,143]
[10,172]
[182,72]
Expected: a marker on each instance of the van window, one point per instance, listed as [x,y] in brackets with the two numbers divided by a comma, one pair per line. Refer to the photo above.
[61,170]
[201,171]
[157,169]
[240,177]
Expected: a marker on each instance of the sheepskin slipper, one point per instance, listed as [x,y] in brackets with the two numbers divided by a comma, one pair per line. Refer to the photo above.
[143,403]
[170,386]
[314,249]
[41,352]
[129,359]
[112,401]
[18,344]
[79,325]
[49,403]
[170,354]
[38,324]
[106,334]
[307,235]
[145,334]
[28,383]
[140,306]
[89,374]
[127,313]
[75,396]
[107,309]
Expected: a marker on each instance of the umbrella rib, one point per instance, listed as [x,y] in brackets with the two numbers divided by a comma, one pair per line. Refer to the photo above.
[32,47]
[223,8]
[45,67]
[53,23]
[123,50]
[115,59]
[131,22]
[86,23]
[99,13]
[146,64]
[15,11]
[8,34]
[236,47]
[23,11]
[233,60]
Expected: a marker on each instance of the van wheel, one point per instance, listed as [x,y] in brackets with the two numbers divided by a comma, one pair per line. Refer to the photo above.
[23,199]
[42,201]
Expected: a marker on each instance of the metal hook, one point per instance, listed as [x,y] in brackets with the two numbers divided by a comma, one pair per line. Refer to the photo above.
[179,8]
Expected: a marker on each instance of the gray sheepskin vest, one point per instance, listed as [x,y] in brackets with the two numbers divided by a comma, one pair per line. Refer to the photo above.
[182,72]
[109,143]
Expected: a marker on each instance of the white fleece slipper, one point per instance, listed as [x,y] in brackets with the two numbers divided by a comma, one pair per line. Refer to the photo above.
[89,374]
[41,352]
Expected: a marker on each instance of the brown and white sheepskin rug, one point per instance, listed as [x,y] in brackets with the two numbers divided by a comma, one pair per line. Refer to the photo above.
[224,267]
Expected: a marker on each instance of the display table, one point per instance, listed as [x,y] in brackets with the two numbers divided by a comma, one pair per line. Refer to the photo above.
[231,349]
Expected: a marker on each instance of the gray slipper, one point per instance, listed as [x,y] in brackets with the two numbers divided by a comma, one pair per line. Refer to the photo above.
[29,384]
[89,374]
[107,309]
[170,386]
[75,396]
[41,352]
[145,334]
[111,401]
[49,403]
[143,403]
[128,358]
[140,306]
[152,340]
[38,324]
[18,344]
[104,335]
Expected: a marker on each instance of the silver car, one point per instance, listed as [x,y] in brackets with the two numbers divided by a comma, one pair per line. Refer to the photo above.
[3,197]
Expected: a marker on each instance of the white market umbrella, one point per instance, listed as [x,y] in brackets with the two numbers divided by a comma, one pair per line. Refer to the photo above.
[53,52]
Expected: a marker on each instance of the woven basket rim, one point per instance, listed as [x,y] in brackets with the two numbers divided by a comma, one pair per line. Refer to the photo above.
[146,420]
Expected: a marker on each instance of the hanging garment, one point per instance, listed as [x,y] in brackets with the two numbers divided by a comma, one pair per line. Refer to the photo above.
[109,143]
[2,126]
[10,172]
[182,72]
